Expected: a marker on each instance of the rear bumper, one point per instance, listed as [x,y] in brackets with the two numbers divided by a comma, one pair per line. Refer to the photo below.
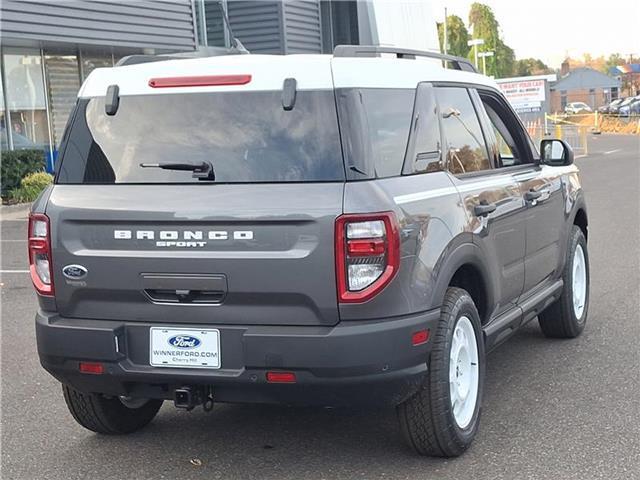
[352,363]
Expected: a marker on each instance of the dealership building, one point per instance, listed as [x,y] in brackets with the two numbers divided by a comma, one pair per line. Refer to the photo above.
[49,48]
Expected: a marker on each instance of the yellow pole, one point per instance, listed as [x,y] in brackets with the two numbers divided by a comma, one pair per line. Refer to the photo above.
[558,131]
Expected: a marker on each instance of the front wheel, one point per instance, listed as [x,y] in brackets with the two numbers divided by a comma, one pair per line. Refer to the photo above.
[442,418]
[567,316]
[112,415]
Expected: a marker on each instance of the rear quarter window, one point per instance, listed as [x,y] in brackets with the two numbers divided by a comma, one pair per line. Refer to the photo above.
[375,125]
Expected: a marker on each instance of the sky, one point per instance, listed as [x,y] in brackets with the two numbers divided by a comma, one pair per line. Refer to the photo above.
[552,29]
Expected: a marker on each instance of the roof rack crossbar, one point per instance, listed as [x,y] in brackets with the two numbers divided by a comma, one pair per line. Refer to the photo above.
[458,63]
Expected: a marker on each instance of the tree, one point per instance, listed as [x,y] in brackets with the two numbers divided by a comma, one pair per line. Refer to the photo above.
[530,66]
[457,34]
[486,27]
[614,60]
[504,60]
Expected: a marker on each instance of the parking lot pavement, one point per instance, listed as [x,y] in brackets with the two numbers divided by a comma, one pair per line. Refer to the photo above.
[552,409]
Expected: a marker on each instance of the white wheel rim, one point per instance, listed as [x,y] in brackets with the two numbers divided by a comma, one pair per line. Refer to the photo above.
[463,372]
[579,287]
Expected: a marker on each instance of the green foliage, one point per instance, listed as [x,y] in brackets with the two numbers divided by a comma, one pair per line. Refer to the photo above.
[530,66]
[457,34]
[31,186]
[614,60]
[486,26]
[17,164]
[504,60]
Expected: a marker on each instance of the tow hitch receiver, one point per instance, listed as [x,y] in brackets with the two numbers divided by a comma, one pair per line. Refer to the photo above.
[190,397]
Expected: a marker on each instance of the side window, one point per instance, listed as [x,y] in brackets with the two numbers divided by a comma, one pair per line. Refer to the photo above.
[374,124]
[424,149]
[511,141]
[507,150]
[388,119]
[465,147]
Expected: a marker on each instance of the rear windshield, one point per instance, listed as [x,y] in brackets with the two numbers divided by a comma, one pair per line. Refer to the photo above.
[246,136]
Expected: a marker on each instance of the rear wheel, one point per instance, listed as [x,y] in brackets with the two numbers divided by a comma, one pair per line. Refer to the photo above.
[567,316]
[443,417]
[112,415]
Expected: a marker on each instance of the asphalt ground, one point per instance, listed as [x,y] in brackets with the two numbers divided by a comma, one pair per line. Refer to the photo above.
[553,409]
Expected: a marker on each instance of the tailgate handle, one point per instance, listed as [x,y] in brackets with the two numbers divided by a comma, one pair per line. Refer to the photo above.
[188,289]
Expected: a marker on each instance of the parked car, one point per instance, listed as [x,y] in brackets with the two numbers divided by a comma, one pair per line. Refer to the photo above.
[625,102]
[630,108]
[20,142]
[577,107]
[301,229]
[610,107]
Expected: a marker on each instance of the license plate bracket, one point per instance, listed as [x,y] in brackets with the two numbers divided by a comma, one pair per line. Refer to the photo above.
[184,347]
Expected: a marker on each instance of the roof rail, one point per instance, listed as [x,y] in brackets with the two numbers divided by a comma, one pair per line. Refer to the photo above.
[202,52]
[457,63]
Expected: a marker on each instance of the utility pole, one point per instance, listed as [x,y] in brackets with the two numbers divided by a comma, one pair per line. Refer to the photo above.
[474,43]
[446,37]
[484,56]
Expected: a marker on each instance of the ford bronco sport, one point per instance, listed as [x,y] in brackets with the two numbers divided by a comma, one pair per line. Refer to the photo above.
[348,229]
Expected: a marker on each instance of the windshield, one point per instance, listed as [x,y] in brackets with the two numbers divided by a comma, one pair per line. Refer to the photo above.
[245,136]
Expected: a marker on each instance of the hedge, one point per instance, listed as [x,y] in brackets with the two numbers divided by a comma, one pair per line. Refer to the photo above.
[17,164]
[31,187]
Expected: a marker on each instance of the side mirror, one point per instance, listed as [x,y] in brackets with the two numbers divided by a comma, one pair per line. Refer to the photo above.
[556,153]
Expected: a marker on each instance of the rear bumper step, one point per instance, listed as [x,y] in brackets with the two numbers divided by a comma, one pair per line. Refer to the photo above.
[367,362]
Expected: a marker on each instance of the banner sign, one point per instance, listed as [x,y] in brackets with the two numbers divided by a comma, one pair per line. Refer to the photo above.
[523,91]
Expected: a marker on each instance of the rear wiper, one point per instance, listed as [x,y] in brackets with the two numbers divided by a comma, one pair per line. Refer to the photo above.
[201,171]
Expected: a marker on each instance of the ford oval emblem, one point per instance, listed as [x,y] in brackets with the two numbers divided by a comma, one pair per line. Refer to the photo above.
[184,341]
[74,272]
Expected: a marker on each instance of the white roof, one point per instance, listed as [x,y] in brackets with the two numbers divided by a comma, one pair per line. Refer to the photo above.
[312,72]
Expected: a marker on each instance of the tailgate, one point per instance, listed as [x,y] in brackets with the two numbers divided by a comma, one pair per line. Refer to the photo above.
[197,254]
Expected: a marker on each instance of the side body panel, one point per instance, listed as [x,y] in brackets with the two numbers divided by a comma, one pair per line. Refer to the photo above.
[501,234]
[545,219]
[574,200]
[432,227]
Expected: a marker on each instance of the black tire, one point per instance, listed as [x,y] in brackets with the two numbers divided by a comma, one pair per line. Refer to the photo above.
[559,320]
[108,415]
[426,420]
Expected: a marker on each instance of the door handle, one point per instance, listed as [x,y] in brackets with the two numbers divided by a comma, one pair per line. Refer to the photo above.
[484,209]
[532,195]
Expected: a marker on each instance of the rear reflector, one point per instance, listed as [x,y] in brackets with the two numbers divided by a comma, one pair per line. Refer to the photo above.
[200,81]
[92,367]
[281,377]
[420,337]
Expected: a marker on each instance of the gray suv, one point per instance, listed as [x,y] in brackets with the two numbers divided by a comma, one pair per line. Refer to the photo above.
[350,229]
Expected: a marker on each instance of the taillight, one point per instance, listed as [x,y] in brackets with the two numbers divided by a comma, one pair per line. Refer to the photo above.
[367,254]
[40,253]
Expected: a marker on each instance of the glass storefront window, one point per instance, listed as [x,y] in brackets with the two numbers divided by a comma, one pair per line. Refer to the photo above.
[26,100]
[63,83]
[210,24]
[4,142]
[92,59]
